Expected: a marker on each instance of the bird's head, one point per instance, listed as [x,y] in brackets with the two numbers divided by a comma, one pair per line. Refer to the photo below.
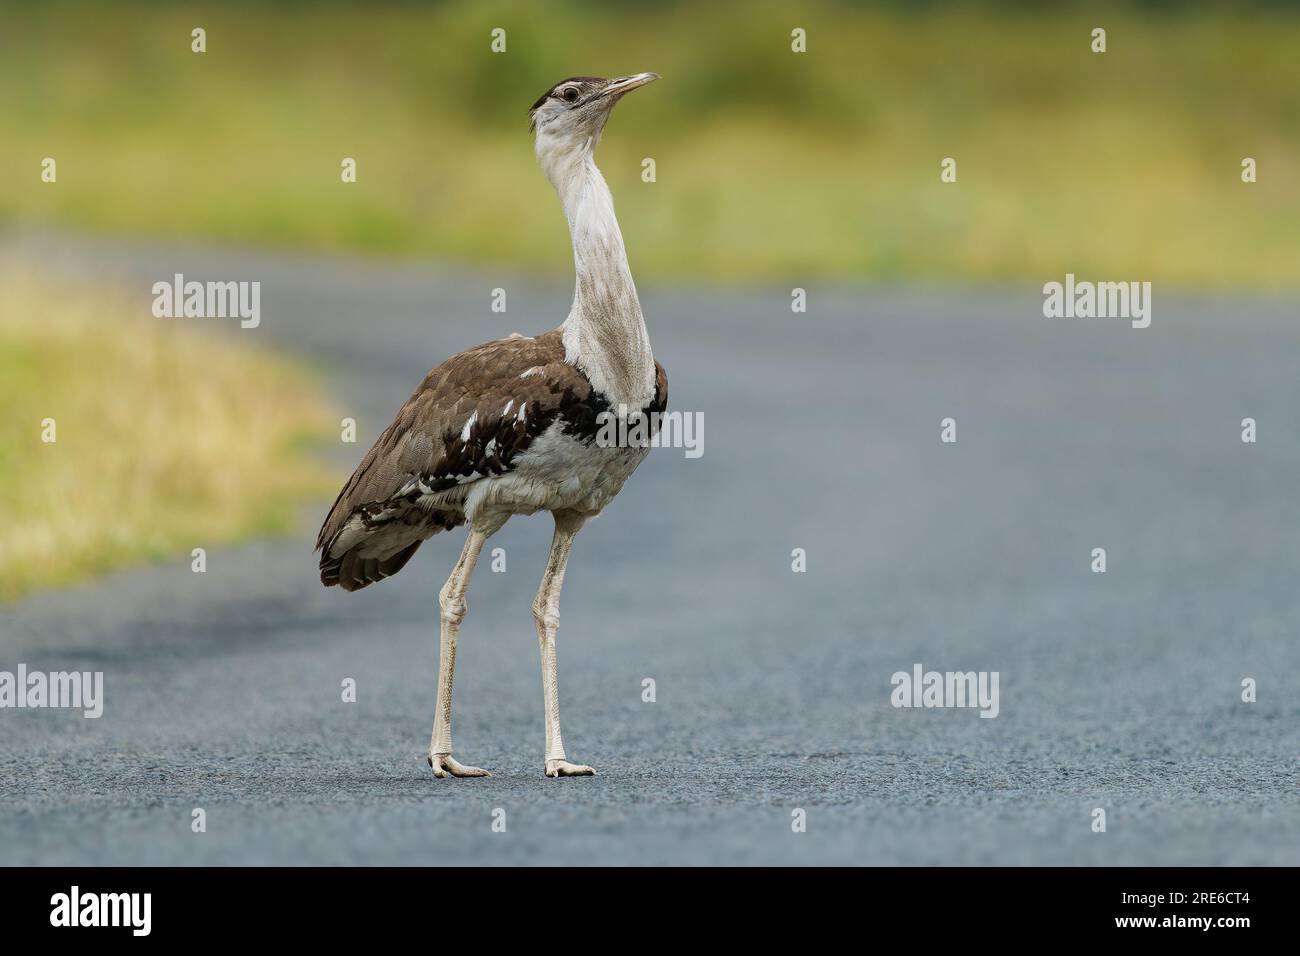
[569,116]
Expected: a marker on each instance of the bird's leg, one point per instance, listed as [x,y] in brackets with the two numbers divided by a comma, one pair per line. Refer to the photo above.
[451,601]
[546,614]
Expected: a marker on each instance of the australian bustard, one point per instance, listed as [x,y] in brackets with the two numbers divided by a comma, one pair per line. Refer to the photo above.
[511,427]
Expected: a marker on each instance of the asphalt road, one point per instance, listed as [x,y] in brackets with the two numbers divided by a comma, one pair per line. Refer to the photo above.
[1119,690]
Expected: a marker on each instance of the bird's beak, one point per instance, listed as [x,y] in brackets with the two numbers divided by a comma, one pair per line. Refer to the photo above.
[625,84]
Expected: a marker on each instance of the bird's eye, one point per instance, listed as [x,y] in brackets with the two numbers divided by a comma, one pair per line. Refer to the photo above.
[570,94]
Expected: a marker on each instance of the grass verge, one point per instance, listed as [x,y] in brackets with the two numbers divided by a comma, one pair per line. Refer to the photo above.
[166,439]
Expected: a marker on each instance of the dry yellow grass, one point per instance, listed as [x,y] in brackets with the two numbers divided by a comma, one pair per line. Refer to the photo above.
[167,438]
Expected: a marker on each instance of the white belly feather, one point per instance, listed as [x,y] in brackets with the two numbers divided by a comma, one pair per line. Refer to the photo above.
[555,473]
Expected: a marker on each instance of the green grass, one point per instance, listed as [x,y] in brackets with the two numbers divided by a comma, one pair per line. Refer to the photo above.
[772,166]
[162,445]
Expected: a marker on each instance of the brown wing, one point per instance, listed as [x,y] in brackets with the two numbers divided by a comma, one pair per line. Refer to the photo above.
[468,419]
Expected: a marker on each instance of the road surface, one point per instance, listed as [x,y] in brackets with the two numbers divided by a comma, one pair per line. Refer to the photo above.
[1120,691]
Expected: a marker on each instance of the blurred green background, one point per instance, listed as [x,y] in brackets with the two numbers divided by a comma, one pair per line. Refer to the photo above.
[771,165]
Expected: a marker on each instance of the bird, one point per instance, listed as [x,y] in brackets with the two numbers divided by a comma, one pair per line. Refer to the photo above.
[514,426]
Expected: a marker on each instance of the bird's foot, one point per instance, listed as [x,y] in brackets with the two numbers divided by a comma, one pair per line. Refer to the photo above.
[562,768]
[444,766]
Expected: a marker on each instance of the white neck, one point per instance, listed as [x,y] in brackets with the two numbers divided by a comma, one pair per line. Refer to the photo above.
[605,334]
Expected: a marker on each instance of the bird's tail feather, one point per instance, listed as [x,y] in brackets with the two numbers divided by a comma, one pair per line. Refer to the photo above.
[352,573]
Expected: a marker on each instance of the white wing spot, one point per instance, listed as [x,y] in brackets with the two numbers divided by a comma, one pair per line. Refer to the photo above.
[535,370]
[520,416]
[464,432]
[509,405]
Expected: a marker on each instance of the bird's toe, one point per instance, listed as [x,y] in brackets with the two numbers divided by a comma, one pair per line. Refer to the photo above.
[444,766]
[562,768]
